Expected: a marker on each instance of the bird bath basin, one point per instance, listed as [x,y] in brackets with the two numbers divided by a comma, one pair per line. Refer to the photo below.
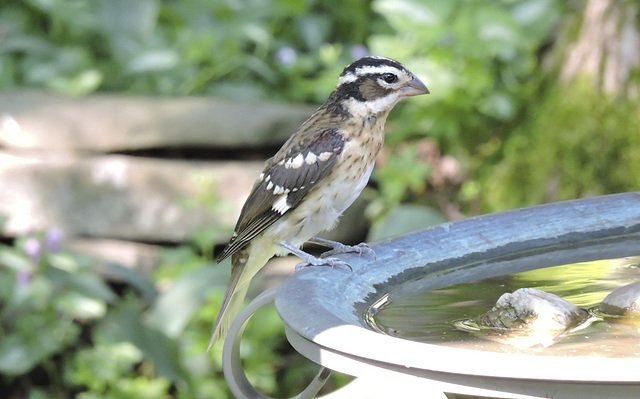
[325,310]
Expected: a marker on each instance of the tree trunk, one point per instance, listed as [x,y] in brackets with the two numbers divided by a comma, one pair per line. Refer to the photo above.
[607,49]
[581,135]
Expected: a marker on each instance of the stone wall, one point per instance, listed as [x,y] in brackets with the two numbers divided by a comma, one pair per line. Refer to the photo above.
[96,167]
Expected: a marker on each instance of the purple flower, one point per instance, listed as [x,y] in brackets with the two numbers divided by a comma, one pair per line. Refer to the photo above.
[33,249]
[53,239]
[358,51]
[286,56]
[23,277]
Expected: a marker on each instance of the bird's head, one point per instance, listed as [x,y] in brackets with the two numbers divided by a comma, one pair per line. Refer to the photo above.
[373,85]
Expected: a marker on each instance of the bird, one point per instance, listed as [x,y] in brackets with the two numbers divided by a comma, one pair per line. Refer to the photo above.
[314,177]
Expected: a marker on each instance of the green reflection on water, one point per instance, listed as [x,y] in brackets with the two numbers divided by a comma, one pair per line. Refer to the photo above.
[429,316]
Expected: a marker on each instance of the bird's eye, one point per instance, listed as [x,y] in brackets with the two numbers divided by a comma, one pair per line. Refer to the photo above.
[389,78]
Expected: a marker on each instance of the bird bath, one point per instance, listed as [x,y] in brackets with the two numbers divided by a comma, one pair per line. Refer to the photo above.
[325,309]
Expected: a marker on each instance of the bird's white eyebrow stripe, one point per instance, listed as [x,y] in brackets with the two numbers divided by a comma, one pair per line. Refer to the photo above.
[348,78]
[368,70]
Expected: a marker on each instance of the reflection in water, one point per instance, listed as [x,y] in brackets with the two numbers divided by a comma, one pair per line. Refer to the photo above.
[430,316]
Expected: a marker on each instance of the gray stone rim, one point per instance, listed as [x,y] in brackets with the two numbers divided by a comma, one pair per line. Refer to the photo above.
[324,307]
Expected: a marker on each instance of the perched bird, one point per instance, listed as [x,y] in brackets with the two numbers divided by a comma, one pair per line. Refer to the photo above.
[316,175]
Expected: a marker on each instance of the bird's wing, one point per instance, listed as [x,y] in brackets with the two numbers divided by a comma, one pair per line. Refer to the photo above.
[287,178]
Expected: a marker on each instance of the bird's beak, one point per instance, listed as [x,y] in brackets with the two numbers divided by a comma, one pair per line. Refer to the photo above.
[414,87]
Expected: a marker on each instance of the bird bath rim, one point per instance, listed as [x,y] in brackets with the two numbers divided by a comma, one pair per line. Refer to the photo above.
[324,308]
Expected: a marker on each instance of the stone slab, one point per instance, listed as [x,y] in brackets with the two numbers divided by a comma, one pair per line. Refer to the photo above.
[123,197]
[112,123]
[133,198]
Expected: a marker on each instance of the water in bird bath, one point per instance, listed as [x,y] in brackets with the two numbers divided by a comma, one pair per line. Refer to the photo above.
[430,317]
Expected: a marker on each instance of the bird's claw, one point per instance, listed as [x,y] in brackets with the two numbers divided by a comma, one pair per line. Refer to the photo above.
[331,262]
[360,249]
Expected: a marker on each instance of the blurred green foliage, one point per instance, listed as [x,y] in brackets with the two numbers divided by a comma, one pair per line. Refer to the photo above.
[586,144]
[67,331]
[249,49]
[479,59]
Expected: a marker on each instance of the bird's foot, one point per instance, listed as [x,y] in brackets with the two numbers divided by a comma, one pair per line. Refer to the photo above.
[360,249]
[331,262]
[310,260]
[339,248]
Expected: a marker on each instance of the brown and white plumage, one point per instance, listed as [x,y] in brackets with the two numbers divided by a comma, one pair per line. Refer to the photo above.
[316,175]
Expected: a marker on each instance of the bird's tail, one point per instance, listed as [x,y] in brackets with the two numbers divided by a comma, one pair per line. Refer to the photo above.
[244,265]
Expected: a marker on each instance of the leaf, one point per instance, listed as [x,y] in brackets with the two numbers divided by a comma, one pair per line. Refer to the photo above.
[125,17]
[537,17]
[131,276]
[86,283]
[313,30]
[81,83]
[174,308]
[38,335]
[79,306]
[13,259]
[125,324]
[15,356]
[498,105]
[153,61]
[404,219]
[404,13]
